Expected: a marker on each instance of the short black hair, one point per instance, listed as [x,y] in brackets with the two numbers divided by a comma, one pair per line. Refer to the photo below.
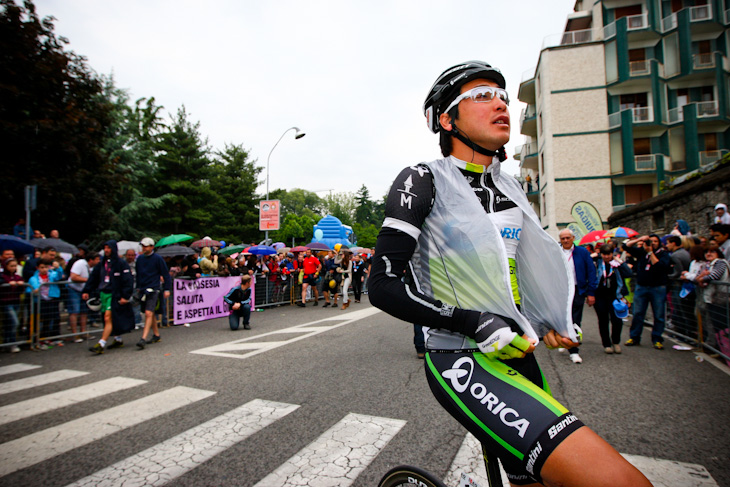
[675,240]
[720,228]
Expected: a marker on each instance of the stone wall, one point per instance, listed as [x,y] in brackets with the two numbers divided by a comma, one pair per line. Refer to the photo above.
[693,201]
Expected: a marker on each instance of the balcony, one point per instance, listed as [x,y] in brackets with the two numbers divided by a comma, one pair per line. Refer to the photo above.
[528,155]
[645,162]
[703,61]
[528,121]
[711,156]
[707,109]
[638,115]
[568,38]
[700,13]
[609,31]
[637,22]
[669,23]
[675,115]
[527,90]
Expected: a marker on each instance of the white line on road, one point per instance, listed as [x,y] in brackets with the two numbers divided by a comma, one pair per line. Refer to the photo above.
[178,455]
[661,473]
[40,446]
[15,368]
[39,380]
[338,456]
[57,400]
[255,347]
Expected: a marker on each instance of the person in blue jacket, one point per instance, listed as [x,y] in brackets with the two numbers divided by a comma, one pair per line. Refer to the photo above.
[586,281]
[239,300]
[48,271]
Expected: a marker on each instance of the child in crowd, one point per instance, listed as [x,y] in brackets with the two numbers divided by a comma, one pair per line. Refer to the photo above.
[48,271]
[239,299]
[10,301]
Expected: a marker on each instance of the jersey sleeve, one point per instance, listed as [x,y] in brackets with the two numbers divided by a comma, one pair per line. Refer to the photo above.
[409,202]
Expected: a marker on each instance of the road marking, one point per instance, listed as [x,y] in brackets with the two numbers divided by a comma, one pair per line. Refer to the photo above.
[15,368]
[668,473]
[255,345]
[57,400]
[338,456]
[178,455]
[468,460]
[661,473]
[39,380]
[37,447]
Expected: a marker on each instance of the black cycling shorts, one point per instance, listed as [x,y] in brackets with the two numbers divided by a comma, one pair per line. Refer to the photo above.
[507,405]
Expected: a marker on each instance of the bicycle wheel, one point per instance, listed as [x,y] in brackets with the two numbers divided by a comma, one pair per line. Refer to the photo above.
[408,476]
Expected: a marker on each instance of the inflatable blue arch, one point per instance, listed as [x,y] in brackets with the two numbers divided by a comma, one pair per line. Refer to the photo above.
[333,232]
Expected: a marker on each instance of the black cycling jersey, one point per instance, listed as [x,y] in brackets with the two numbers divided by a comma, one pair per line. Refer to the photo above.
[409,202]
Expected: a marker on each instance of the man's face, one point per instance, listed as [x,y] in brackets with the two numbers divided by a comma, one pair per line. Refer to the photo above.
[37,234]
[51,254]
[93,262]
[487,123]
[7,254]
[308,253]
[130,255]
[655,243]
[147,249]
[54,234]
[107,251]
[566,239]
[671,246]
[719,237]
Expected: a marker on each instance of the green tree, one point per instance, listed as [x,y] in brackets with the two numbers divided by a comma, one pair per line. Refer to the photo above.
[53,118]
[342,206]
[234,179]
[366,234]
[184,171]
[299,202]
[295,229]
[365,207]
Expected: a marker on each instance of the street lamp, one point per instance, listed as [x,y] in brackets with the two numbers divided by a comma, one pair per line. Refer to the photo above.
[297,135]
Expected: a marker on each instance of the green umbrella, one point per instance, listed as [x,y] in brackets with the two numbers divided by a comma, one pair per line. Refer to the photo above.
[173,239]
[232,249]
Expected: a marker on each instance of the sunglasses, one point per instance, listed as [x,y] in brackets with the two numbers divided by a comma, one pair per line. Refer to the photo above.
[481,94]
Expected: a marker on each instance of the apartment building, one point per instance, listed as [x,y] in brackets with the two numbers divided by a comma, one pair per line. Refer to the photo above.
[632,94]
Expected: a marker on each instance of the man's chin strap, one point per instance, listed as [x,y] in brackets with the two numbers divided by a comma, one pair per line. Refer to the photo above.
[501,153]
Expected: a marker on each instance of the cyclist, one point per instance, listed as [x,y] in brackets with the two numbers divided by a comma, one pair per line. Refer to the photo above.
[462,253]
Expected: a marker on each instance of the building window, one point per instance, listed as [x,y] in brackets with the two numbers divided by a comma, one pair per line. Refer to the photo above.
[657,220]
[636,193]
[627,11]
[539,123]
[544,205]
[633,100]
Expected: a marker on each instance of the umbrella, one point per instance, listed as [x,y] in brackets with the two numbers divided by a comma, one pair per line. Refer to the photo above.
[283,250]
[593,236]
[364,251]
[56,243]
[174,251]
[231,249]
[261,250]
[317,246]
[621,232]
[17,245]
[173,239]
[278,245]
[299,248]
[205,242]
[124,245]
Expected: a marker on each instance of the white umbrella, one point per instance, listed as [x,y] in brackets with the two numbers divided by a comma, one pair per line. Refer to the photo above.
[124,245]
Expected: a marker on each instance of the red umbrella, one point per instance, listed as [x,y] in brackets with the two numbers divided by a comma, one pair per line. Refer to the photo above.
[299,248]
[593,236]
[205,242]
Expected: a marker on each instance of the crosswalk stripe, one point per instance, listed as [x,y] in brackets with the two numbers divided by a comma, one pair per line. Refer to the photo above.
[339,455]
[37,447]
[57,400]
[661,473]
[39,380]
[15,368]
[172,458]
[258,344]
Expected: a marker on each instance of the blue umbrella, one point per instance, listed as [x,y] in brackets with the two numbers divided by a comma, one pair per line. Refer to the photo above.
[261,250]
[17,245]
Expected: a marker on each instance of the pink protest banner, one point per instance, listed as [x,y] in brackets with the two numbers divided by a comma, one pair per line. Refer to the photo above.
[202,299]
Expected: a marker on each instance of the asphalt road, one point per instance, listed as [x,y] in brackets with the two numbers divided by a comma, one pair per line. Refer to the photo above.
[660,404]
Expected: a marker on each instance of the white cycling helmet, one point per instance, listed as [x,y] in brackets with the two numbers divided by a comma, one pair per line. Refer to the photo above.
[94,304]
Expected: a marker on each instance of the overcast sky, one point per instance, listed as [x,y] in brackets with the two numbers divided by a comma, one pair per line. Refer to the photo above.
[352,75]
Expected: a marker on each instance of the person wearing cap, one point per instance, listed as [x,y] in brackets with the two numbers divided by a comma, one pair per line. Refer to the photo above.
[462,253]
[721,214]
[151,271]
[610,301]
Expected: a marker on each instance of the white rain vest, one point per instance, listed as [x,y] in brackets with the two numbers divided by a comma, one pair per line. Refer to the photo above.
[461,260]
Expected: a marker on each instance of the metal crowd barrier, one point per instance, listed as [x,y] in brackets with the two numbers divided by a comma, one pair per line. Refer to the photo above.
[700,317]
